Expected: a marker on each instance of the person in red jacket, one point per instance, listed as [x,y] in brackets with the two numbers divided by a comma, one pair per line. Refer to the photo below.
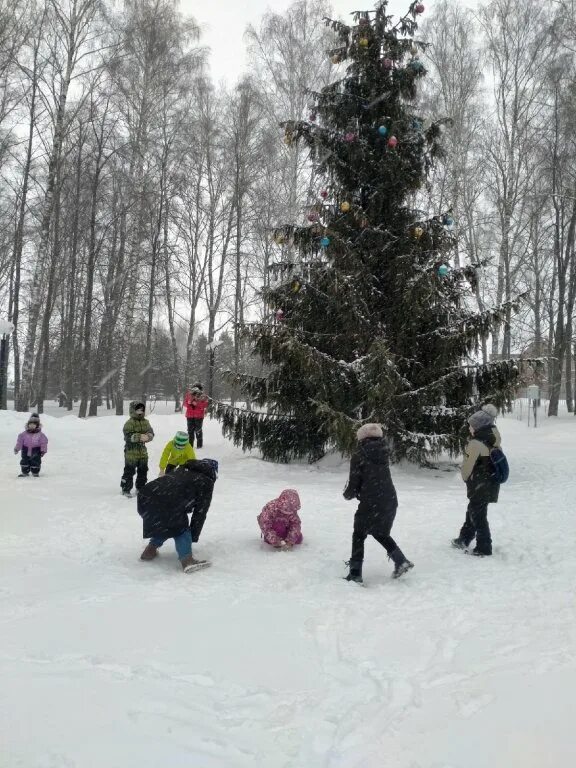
[195,402]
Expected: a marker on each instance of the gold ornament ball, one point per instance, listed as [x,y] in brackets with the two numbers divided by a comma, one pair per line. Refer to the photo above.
[296,286]
[418,232]
[363,42]
[335,59]
[279,239]
[345,207]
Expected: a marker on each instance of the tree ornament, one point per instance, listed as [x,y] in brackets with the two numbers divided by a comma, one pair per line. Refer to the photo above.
[280,315]
[392,142]
[447,220]
[350,137]
[443,270]
[363,42]
[324,193]
[383,131]
[416,124]
[419,8]
[345,206]
[418,232]
[279,239]
[335,59]
[325,242]
[416,65]
[288,139]
[296,286]
[312,117]
[387,63]
[313,216]
[414,50]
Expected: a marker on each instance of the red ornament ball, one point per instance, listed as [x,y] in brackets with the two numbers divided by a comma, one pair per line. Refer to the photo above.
[419,8]
[392,142]
[324,193]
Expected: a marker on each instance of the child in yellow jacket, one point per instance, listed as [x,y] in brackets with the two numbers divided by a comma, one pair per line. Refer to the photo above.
[176,453]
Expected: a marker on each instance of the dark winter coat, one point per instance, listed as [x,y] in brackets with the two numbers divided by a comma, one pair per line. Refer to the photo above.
[370,482]
[165,503]
[137,432]
[477,470]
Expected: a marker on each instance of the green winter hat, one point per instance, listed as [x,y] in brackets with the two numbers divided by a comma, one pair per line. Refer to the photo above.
[180,440]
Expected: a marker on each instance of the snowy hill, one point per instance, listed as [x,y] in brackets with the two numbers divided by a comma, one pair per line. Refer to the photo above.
[269,659]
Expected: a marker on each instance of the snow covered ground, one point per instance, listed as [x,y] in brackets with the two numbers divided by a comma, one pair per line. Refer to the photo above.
[269,659]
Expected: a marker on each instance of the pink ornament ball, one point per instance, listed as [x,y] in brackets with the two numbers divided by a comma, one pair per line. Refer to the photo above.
[419,8]
[313,216]
[280,315]
[324,193]
[387,63]
[392,142]
[350,137]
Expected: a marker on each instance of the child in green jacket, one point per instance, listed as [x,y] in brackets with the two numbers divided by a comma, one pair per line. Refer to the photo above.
[137,432]
[176,453]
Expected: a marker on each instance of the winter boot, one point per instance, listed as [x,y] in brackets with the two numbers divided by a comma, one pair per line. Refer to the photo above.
[190,564]
[150,552]
[401,564]
[355,573]
[479,553]
[127,494]
[459,543]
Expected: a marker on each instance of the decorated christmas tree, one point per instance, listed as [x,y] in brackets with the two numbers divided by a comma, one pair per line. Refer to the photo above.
[368,319]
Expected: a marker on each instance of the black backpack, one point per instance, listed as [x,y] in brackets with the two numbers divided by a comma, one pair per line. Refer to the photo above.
[499,465]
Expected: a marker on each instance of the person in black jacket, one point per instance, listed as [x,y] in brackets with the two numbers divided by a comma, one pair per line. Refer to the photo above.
[371,483]
[164,505]
[481,486]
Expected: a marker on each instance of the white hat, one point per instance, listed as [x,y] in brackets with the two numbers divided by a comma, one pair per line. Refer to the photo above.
[369,430]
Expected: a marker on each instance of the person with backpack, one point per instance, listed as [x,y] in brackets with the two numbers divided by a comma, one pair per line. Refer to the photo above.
[371,483]
[196,403]
[482,477]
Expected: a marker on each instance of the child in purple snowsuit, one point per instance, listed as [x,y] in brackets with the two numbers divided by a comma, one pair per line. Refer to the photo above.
[279,521]
[32,445]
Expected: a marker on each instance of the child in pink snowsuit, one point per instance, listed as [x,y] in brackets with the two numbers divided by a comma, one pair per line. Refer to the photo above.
[279,521]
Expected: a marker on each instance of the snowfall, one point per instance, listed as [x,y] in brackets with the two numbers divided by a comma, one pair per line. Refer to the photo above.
[270,659]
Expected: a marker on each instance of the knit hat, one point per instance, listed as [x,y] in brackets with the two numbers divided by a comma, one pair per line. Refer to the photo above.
[480,419]
[199,386]
[34,418]
[213,463]
[490,409]
[369,430]
[180,440]
[139,407]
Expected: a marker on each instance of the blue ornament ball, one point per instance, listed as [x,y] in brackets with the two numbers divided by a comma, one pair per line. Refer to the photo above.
[325,242]
[443,270]
[383,131]
[416,65]
[448,221]
[416,124]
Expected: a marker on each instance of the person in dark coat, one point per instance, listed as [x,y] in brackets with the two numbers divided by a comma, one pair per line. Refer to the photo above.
[481,487]
[371,483]
[165,503]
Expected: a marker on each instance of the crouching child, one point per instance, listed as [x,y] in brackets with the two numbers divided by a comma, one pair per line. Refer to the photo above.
[165,503]
[279,522]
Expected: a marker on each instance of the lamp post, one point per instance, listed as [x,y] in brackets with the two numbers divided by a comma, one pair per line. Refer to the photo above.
[6,328]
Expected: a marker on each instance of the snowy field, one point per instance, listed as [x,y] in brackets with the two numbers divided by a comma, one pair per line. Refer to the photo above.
[269,659]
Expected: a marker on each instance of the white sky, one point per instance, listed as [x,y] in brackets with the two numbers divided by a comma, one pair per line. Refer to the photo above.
[223,23]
